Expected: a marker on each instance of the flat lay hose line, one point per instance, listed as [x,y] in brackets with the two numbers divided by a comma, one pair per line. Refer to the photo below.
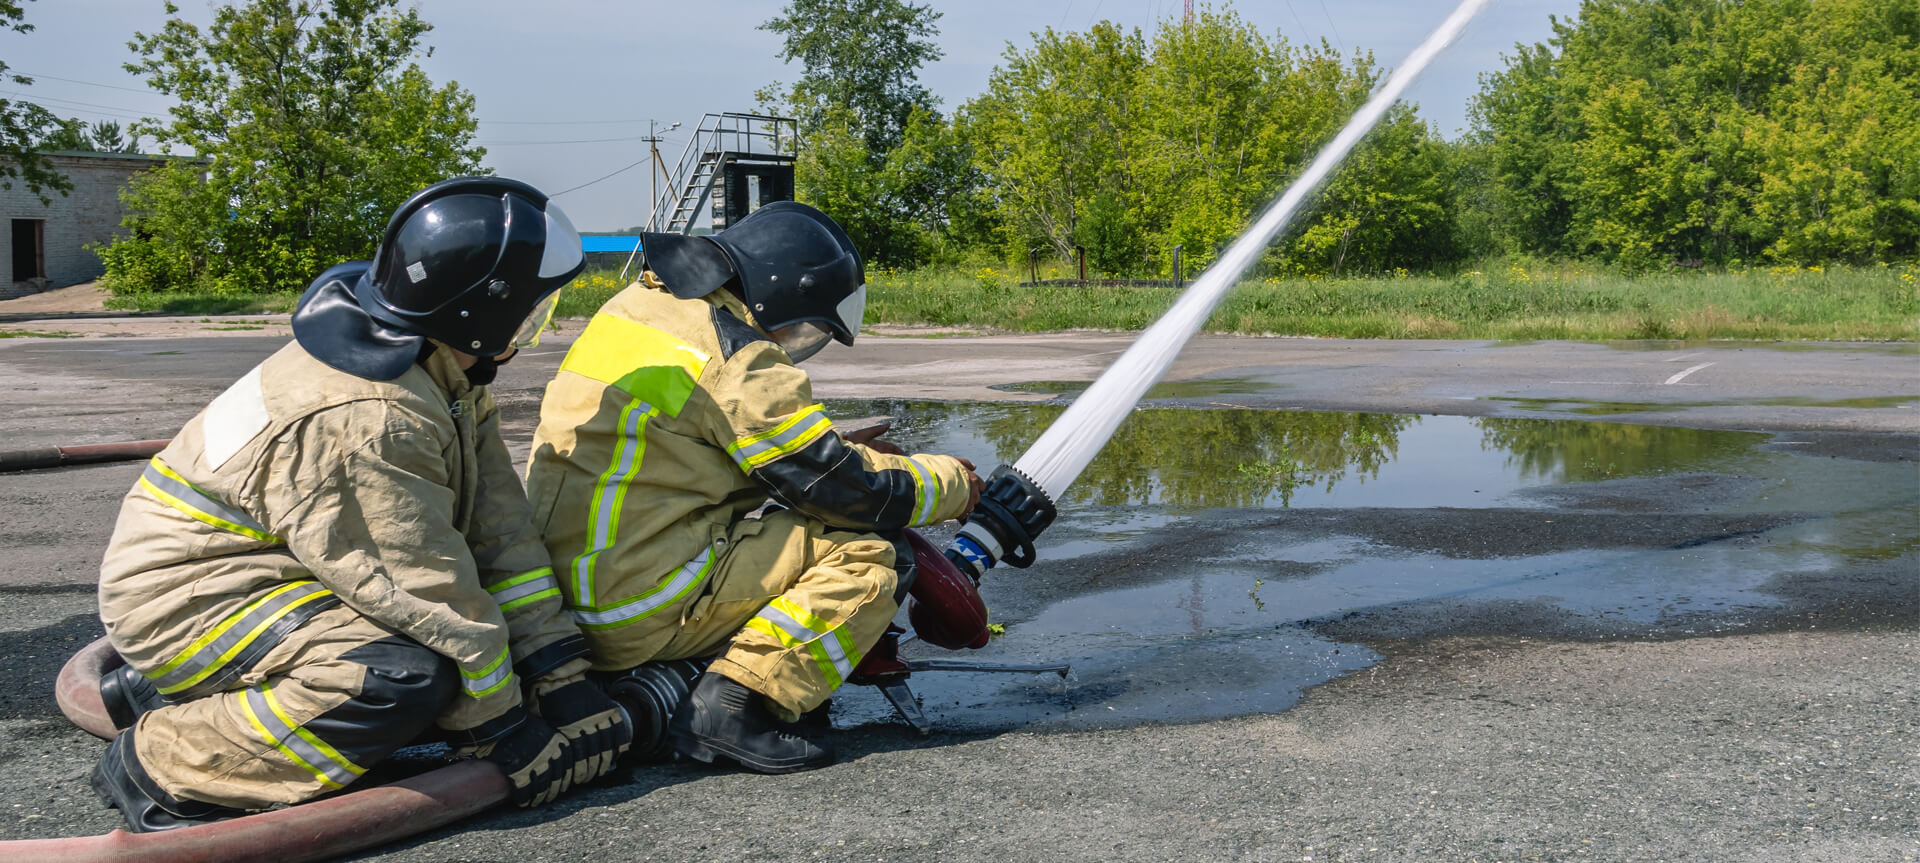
[42,458]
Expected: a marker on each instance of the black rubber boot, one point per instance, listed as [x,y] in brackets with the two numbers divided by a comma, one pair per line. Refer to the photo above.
[124,785]
[126,694]
[818,722]
[723,717]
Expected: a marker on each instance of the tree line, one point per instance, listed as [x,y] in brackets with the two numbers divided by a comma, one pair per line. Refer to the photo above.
[1645,134]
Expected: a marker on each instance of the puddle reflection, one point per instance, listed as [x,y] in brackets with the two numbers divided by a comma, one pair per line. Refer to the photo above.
[1187,459]
[1160,629]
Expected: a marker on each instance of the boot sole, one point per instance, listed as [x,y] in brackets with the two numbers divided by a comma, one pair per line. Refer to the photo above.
[99,786]
[705,751]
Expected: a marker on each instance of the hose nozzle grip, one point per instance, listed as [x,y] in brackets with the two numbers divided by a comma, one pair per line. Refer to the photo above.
[1015,510]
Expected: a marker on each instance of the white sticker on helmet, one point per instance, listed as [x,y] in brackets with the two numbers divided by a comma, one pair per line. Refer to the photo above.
[417,272]
[853,310]
[563,251]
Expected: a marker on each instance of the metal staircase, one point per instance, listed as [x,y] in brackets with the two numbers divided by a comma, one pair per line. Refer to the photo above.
[722,142]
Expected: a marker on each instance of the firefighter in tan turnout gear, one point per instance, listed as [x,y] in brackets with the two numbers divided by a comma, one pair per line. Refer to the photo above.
[336,554]
[677,413]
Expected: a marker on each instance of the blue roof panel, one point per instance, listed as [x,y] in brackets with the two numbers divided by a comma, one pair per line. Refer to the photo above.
[610,244]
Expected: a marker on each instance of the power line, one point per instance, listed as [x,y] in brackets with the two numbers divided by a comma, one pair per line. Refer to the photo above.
[92,83]
[607,177]
[149,92]
[575,141]
[1296,19]
[124,112]
[110,110]
[1336,28]
[488,122]
[558,122]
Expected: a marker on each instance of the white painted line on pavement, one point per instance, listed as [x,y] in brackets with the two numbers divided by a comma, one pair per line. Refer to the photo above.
[1685,356]
[1676,378]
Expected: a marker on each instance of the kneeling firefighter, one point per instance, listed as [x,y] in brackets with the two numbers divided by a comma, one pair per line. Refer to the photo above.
[336,554]
[677,414]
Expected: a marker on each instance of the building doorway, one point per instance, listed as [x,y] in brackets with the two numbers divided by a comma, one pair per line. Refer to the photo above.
[29,249]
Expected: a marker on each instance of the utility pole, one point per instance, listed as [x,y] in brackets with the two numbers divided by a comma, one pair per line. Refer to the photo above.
[653,192]
[654,170]
[1189,11]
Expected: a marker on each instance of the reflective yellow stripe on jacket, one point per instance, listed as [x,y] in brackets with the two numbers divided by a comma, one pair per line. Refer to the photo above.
[610,495]
[488,680]
[690,575]
[220,646]
[782,440]
[299,745]
[926,491]
[793,626]
[660,372]
[173,490]
[525,589]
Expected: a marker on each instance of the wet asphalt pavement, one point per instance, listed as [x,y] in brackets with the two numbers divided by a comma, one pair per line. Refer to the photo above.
[1324,600]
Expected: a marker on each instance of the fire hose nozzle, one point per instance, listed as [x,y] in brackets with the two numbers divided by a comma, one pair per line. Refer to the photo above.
[1010,515]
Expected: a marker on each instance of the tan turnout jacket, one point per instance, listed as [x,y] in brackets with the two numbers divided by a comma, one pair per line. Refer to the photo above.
[671,419]
[302,488]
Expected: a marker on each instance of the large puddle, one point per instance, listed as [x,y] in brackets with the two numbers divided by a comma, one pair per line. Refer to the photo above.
[1193,559]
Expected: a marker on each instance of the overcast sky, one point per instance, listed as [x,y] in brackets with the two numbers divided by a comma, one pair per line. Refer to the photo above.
[553,79]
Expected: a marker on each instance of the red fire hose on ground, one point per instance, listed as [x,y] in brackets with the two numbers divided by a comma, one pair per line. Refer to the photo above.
[310,831]
[66,456]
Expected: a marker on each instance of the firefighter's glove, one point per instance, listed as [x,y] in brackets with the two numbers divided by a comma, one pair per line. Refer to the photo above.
[537,760]
[591,722]
[975,487]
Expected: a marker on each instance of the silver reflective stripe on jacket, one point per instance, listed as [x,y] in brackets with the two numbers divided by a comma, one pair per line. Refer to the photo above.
[689,576]
[299,745]
[174,490]
[488,680]
[525,589]
[241,638]
[795,627]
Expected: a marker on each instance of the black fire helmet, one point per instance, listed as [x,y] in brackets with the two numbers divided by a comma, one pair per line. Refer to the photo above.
[474,262]
[789,262]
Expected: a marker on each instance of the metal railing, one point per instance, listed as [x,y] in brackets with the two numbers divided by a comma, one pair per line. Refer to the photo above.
[720,136]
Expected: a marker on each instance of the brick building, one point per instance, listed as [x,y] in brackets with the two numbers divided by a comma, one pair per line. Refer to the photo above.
[46,245]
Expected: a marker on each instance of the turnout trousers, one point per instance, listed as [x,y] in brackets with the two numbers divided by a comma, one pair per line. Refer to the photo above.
[793,605]
[333,698]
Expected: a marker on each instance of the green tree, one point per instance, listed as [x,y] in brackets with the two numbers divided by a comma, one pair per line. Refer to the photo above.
[1389,205]
[1131,148]
[862,56]
[1839,153]
[22,124]
[1050,135]
[1592,452]
[103,136]
[874,154]
[68,135]
[308,121]
[107,137]
[1658,131]
[1226,117]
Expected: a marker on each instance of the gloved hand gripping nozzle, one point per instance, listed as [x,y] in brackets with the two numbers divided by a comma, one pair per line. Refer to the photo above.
[1011,514]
